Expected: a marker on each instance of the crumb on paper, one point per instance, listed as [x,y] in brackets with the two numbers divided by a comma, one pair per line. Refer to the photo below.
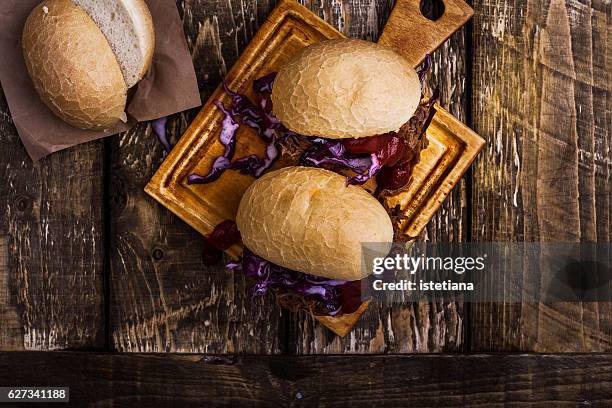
[45,9]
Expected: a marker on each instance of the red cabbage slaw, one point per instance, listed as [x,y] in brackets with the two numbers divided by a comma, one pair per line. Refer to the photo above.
[159,127]
[257,116]
[296,290]
[321,296]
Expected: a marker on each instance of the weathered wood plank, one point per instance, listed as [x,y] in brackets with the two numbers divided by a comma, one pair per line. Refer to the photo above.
[542,99]
[163,296]
[407,328]
[310,381]
[51,246]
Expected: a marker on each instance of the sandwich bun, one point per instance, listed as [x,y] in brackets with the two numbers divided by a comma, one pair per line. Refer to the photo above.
[309,220]
[128,27]
[83,55]
[346,88]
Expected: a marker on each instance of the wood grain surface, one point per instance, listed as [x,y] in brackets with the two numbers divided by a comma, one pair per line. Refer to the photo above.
[51,246]
[332,381]
[541,96]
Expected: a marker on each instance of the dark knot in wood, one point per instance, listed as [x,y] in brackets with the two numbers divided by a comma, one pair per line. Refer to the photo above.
[158,254]
[22,203]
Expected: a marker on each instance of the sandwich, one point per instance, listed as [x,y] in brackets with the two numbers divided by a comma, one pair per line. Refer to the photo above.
[302,229]
[355,99]
[352,115]
[84,55]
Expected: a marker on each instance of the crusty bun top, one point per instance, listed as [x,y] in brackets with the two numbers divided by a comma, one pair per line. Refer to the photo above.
[72,66]
[128,27]
[346,88]
[309,220]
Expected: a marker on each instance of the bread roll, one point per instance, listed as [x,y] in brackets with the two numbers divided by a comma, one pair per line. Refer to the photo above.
[74,49]
[346,89]
[72,66]
[308,219]
[128,27]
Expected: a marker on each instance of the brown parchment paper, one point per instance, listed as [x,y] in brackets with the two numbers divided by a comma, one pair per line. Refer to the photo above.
[170,86]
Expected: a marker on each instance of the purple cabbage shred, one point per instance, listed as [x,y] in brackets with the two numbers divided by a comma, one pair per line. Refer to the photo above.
[323,294]
[159,127]
[228,140]
[257,116]
[422,72]
[329,153]
[265,83]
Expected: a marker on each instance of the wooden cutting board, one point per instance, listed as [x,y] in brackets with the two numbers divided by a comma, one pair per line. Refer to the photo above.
[289,28]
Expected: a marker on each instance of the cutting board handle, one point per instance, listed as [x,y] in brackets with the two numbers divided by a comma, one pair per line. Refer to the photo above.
[413,35]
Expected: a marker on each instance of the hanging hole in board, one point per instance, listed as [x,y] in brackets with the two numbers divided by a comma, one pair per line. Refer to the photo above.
[432,9]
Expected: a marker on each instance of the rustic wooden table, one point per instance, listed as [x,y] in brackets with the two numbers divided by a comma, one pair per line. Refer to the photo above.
[90,264]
